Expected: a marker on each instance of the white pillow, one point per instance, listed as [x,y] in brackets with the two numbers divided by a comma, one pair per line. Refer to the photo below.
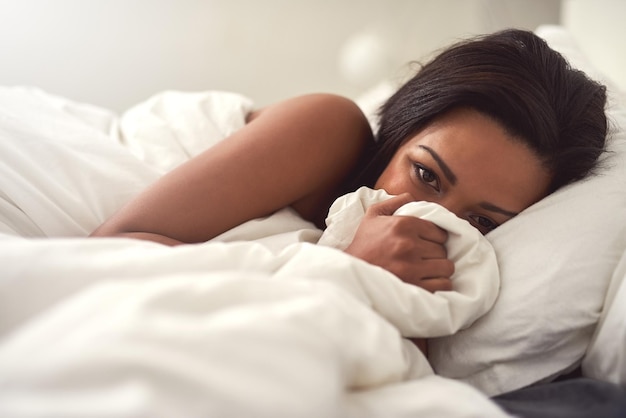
[606,357]
[557,259]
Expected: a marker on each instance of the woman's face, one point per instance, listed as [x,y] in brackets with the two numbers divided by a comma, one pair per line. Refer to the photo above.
[466,162]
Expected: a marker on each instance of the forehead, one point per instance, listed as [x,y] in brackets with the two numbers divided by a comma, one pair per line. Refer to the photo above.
[483,156]
[464,123]
[466,133]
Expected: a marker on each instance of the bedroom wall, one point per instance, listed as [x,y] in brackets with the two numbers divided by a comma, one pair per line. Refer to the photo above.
[599,29]
[115,53]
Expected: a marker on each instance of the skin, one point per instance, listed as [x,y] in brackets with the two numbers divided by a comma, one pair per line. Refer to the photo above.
[467,163]
[464,161]
[295,153]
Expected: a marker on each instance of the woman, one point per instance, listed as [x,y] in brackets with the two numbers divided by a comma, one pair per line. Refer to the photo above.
[486,129]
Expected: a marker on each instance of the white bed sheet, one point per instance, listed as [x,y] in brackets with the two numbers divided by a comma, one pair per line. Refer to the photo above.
[225,329]
[119,327]
[52,283]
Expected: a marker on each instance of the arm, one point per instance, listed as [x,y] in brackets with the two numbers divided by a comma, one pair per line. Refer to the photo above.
[294,153]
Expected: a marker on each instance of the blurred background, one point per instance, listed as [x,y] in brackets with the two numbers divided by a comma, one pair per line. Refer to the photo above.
[115,53]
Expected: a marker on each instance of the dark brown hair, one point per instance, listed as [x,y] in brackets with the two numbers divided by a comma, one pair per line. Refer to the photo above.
[513,77]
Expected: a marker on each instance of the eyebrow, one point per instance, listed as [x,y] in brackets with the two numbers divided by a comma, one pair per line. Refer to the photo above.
[442,165]
[493,208]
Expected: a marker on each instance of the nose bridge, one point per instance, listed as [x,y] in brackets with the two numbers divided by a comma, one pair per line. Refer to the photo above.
[453,203]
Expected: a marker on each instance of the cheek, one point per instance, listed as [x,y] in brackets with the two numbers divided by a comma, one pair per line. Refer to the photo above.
[395,180]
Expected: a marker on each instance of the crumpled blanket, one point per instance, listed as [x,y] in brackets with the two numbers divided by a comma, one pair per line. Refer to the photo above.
[258,322]
[219,329]
[415,312]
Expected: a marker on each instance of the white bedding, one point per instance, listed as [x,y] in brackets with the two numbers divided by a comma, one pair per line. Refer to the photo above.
[244,332]
[270,326]
[278,326]
[559,267]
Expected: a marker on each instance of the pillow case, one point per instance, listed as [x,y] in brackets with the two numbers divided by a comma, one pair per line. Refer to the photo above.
[606,357]
[556,259]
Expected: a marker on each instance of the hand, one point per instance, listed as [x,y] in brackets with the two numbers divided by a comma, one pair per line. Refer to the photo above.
[411,248]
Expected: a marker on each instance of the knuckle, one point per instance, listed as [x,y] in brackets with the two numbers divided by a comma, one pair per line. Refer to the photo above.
[439,251]
[446,285]
[373,209]
[449,268]
[402,246]
[403,272]
[403,224]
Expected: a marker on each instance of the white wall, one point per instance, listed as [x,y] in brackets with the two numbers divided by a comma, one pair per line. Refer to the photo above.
[115,53]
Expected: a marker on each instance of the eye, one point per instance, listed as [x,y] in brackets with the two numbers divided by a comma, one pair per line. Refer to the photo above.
[427,176]
[483,224]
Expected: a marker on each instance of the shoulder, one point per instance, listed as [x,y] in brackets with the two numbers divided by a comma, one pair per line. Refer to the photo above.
[331,106]
[327,134]
[323,112]
[328,128]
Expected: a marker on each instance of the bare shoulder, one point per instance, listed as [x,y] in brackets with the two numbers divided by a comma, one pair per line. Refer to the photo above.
[335,123]
[322,103]
[330,134]
[295,153]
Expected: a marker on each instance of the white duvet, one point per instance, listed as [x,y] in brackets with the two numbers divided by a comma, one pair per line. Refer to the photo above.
[258,322]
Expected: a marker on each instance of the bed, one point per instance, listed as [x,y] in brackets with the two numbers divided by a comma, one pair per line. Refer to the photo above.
[261,321]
